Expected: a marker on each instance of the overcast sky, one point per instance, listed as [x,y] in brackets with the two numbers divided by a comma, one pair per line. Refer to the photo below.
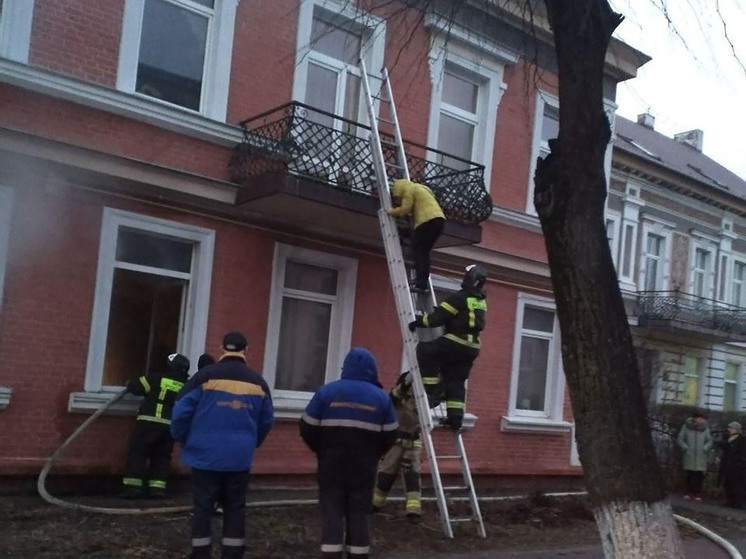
[697,85]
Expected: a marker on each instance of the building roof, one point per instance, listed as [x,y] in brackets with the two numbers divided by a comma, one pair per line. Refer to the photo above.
[657,148]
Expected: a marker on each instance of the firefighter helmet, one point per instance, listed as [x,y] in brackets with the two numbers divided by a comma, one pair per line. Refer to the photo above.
[178,363]
[474,278]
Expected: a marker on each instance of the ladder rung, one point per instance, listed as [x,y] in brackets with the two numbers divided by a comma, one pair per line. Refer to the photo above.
[379,98]
[455,457]
[395,165]
[391,122]
[456,488]
[462,519]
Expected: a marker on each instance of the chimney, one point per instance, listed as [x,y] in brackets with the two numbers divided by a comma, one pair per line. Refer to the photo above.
[647,120]
[694,138]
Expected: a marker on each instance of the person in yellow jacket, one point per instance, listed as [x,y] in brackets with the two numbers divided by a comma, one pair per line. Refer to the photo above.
[429,221]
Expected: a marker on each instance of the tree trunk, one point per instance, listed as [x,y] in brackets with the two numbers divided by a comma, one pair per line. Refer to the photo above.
[622,475]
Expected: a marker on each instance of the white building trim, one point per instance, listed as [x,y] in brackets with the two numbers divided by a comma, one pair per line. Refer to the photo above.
[15,29]
[218,53]
[340,334]
[195,325]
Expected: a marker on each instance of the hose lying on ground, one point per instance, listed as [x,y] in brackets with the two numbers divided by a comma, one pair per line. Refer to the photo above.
[41,487]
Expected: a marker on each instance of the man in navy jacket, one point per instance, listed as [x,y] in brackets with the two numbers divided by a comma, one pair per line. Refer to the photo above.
[223,413]
[349,424]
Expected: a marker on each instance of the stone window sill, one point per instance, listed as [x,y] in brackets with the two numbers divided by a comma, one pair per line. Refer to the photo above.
[90,402]
[534,425]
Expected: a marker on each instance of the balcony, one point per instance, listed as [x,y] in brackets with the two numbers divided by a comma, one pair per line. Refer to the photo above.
[682,313]
[315,170]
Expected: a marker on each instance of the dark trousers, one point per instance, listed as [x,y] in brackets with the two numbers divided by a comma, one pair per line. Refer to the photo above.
[346,480]
[694,482]
[228,489]
[423,240]
[149,457]
[445,367]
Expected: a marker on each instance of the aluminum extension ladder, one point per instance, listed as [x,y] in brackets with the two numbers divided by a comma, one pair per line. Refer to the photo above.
[406,302]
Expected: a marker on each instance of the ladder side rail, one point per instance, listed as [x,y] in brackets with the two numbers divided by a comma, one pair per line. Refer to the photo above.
[468,481]
[401,153]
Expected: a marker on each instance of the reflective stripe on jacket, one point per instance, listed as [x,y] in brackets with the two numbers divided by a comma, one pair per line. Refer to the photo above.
[463,316]
[159,390]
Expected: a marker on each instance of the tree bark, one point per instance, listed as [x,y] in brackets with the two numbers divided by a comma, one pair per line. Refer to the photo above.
[622,474]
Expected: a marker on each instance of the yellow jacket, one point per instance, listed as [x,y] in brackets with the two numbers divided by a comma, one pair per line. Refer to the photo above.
[418,198]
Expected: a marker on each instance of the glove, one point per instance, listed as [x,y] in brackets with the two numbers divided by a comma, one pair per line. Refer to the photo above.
[407,380]
[413,325]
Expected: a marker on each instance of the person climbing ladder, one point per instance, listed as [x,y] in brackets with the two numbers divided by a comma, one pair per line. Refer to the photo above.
[429,221]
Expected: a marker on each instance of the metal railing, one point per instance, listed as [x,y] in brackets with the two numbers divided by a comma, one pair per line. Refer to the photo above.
[692,309]
[299,139]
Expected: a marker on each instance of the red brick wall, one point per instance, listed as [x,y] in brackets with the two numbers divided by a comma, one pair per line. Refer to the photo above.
[78,37]
[45,326]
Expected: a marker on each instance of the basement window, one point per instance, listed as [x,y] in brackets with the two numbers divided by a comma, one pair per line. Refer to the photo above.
[152,293]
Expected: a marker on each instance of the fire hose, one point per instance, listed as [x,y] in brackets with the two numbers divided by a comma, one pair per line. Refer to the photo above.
[41,487]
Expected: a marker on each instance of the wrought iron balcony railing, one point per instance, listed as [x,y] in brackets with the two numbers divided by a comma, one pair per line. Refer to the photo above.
[299,139]
[685,308]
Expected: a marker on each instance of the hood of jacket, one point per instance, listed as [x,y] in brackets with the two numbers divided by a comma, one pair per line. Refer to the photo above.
[398,189]
[360,365]
[691,424]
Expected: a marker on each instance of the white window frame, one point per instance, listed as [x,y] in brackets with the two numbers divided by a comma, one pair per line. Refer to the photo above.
[15,29]
[343,309]
[709,246]
[615,218]
[538,148]
[345,15]
[739,363]
[663,229]
[485,71]
[737,260]
[6,211]
[218,54]
[555,386]
[195,320]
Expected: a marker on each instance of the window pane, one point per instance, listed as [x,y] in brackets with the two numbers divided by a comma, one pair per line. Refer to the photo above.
[701,259]
[172,54]
[335,42]
[691,389]
[731,372]
[303,346]
[692,365]
[144,323]
[549,123]
[736,293]
[310,278]
[723,268]
[699,283]
[352,99]
[208,3]
[627,261]
[738,271]
[654,245]
[137,247]
[455,137]
[321,92]
[535,319]
[610,230]
[460,93]
[532,374]
[729,397]
[651,274]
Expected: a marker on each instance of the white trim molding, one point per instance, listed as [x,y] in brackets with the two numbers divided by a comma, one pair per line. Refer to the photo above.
[217,59]
[194,328]
[15,29]
[5,396]
[486,72]
[90,402]
[538,148]
[548,419]
[340,330]
[443,25]
[6,212]
[515,218]
[539,426]
[140,108]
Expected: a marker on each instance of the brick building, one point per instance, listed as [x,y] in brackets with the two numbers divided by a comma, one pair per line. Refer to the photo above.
[124,234]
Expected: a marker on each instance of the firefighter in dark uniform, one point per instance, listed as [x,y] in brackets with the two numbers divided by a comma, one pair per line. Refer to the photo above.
[349,424]
[445,362]
[404,456]
[152,440]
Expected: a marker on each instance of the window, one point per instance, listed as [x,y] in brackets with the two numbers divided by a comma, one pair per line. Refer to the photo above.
[546,127]
[731,391]
[654,262]
[737,288]
[152,294]
[630,237]
[612,235]
[310,319]
[16,18]
[467,86]
[701,273]
[536,385]
[6,206]
[692,385]
[179,52]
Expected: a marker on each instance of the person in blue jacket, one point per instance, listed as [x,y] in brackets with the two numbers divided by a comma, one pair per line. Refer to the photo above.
[349,424]
[223,413]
